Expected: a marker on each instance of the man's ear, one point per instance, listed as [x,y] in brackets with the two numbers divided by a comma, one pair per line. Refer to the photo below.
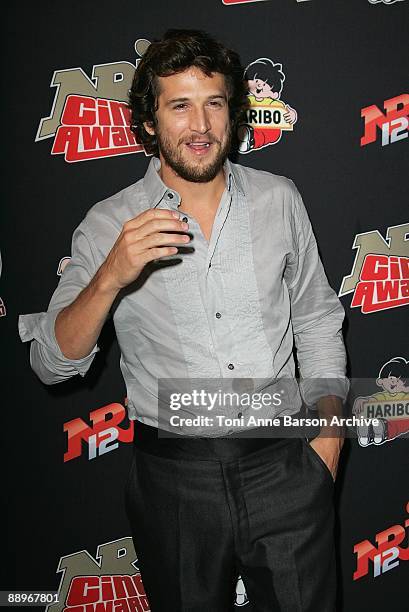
[148,125]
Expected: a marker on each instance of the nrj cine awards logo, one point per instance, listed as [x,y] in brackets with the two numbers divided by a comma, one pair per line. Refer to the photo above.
[90,118]
[379,279]
[110,581]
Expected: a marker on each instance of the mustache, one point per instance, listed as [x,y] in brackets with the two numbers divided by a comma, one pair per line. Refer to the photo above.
[209,138]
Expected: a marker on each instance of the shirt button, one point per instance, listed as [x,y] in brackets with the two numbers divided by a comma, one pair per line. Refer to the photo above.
[184,219]
[230,366]
[240,415]
[218,315]
[210,264]
[170,195]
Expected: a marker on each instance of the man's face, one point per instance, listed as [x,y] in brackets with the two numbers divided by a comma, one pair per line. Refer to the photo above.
[192,124]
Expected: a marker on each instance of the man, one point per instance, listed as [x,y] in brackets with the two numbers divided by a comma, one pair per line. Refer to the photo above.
[210,270]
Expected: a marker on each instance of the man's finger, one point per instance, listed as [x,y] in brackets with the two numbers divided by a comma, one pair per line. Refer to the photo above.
[150,215]
[162,238]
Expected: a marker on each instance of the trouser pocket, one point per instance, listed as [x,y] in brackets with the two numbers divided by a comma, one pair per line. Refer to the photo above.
[318,459]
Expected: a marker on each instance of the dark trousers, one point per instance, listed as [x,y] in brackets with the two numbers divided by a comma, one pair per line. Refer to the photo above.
[204,511]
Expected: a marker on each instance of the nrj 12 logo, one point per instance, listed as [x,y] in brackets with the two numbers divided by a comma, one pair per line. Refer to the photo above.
[111,581]
[386,554]
[380,273]
[90,117]
[102,436]
[386,410]
[391,126]
[268,115]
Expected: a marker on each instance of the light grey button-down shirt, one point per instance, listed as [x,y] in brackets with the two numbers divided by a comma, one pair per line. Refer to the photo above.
[231,308]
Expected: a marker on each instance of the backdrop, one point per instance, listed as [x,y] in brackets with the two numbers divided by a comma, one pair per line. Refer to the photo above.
[68,447]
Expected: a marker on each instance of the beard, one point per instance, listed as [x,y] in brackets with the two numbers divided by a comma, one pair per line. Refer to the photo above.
[202,172]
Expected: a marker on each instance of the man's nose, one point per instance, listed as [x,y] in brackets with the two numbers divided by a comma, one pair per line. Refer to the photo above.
[199,121]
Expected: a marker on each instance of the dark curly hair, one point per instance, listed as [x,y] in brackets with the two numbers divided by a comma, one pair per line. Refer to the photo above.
[177,51]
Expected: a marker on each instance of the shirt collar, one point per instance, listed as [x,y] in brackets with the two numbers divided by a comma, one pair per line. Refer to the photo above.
[157,191]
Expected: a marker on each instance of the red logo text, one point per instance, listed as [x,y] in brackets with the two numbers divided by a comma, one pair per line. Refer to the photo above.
[92,128]
[102,436]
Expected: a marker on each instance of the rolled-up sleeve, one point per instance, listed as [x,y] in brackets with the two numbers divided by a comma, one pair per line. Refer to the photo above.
[316,312]
[46,357]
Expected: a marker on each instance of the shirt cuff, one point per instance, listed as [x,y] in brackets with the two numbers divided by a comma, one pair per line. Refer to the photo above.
[312,389]
[40,326]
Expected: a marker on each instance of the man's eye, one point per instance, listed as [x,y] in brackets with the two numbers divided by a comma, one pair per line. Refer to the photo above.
[180,106]
[215,103]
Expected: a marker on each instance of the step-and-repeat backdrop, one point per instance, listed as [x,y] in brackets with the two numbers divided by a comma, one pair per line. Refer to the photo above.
[345,69]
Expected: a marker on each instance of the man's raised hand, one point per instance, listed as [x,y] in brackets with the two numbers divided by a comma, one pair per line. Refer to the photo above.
[142,240]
